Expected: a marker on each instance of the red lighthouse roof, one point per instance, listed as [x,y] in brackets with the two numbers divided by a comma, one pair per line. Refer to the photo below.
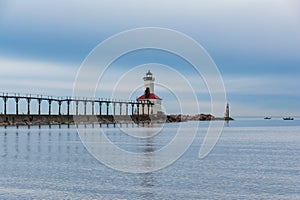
[151,96]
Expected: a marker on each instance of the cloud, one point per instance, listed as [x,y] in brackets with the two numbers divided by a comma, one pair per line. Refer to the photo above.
[258,109]
[262,84]
[36,76]
[247,26]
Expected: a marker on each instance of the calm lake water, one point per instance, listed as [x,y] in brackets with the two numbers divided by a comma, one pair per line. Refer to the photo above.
[253,159]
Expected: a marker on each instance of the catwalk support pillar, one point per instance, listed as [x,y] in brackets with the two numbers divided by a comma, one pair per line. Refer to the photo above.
[59,107]
[68,107]
[17,105]
[5,105]
[93,107]
[100,108]
[49,109]
[120,108]
[107,108]
[85,107]
[39,109]
[114,107]
[28,106]
[76,109]
[143,109]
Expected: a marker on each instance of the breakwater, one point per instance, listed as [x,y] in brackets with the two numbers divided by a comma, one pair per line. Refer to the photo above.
[198,117]
[16,120]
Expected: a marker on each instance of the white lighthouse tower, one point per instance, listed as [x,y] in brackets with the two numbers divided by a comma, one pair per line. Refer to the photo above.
[149,95]
[149,82]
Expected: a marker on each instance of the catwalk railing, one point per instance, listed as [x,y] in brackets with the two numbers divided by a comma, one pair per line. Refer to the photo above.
[129,105]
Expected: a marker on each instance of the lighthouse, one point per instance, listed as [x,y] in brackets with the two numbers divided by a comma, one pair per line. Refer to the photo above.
[149,95]
[227,116]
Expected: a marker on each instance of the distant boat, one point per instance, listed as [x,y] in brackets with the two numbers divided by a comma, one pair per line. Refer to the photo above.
[288,118]
[267,118]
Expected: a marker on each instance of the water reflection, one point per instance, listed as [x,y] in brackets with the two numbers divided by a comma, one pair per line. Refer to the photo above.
[148,179]
[148,182]
[17,145]
[5,151]
[125,149]
[62,147]
[42,144]
[28,146]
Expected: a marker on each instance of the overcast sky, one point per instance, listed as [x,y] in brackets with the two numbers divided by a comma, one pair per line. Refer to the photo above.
[254,43]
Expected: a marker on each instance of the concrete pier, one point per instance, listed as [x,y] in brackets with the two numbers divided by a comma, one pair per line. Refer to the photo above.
[18,120]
